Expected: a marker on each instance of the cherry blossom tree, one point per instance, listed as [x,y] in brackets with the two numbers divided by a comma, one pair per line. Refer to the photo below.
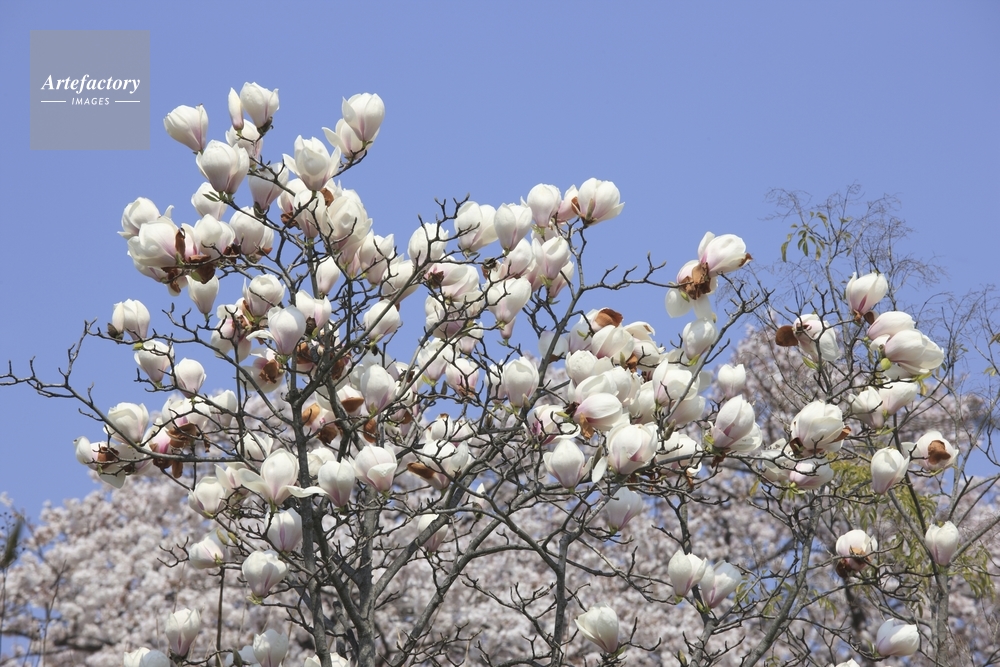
[534,482]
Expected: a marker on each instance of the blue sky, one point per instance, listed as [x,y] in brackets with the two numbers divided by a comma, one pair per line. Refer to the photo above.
[695,110]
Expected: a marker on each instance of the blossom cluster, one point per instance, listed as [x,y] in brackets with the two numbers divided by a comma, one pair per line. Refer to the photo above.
[325,437]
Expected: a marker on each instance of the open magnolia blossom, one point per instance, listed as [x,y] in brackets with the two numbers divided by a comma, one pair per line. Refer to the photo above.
[932,452]
[371,501]
[854,547]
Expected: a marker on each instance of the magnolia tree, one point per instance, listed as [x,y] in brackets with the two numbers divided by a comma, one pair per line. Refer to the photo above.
[572,492]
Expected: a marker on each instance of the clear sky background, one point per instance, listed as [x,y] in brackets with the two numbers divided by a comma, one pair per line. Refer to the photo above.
[695,111]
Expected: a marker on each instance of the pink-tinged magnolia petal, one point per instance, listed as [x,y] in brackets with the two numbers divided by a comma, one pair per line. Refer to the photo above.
[724,579]
[864,292]
[286,326]
[599,411]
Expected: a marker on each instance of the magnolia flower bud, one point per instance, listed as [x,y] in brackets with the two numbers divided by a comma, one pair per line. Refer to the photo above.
[864,292]
[475,226]
[263,570]
[897,638]
[888,324]
[376,466]
[206,553]
[544,200]
[312,163]
[566,463]
[130,317]
[127,422]
[381,320]
[208,497]
[344,138]
[732,379]
[867,406]
[519,381]
[154,358]
[680,452]
[235,110]
[285,531]
[888,469]
[599,624]
[206,202]
[433,542]
[137,214]
[697,337]
[810,474]
[597,201]
[259,103]
[624,506]
[718,582]
[203,294]
[188,125]
[734,422]
[364,114]
[286,327]
[327,275]
[277,479]
[505,300]
[511,223]
[913,352]
[189,375]
[267,184]
[600,411]
[212,237]
[337,479]
[262,294]
[223,166]
[942,541]
[427,243]
[631,447]
[155,245]
[270,648]
[182,627]
[897,395]
[685,570]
